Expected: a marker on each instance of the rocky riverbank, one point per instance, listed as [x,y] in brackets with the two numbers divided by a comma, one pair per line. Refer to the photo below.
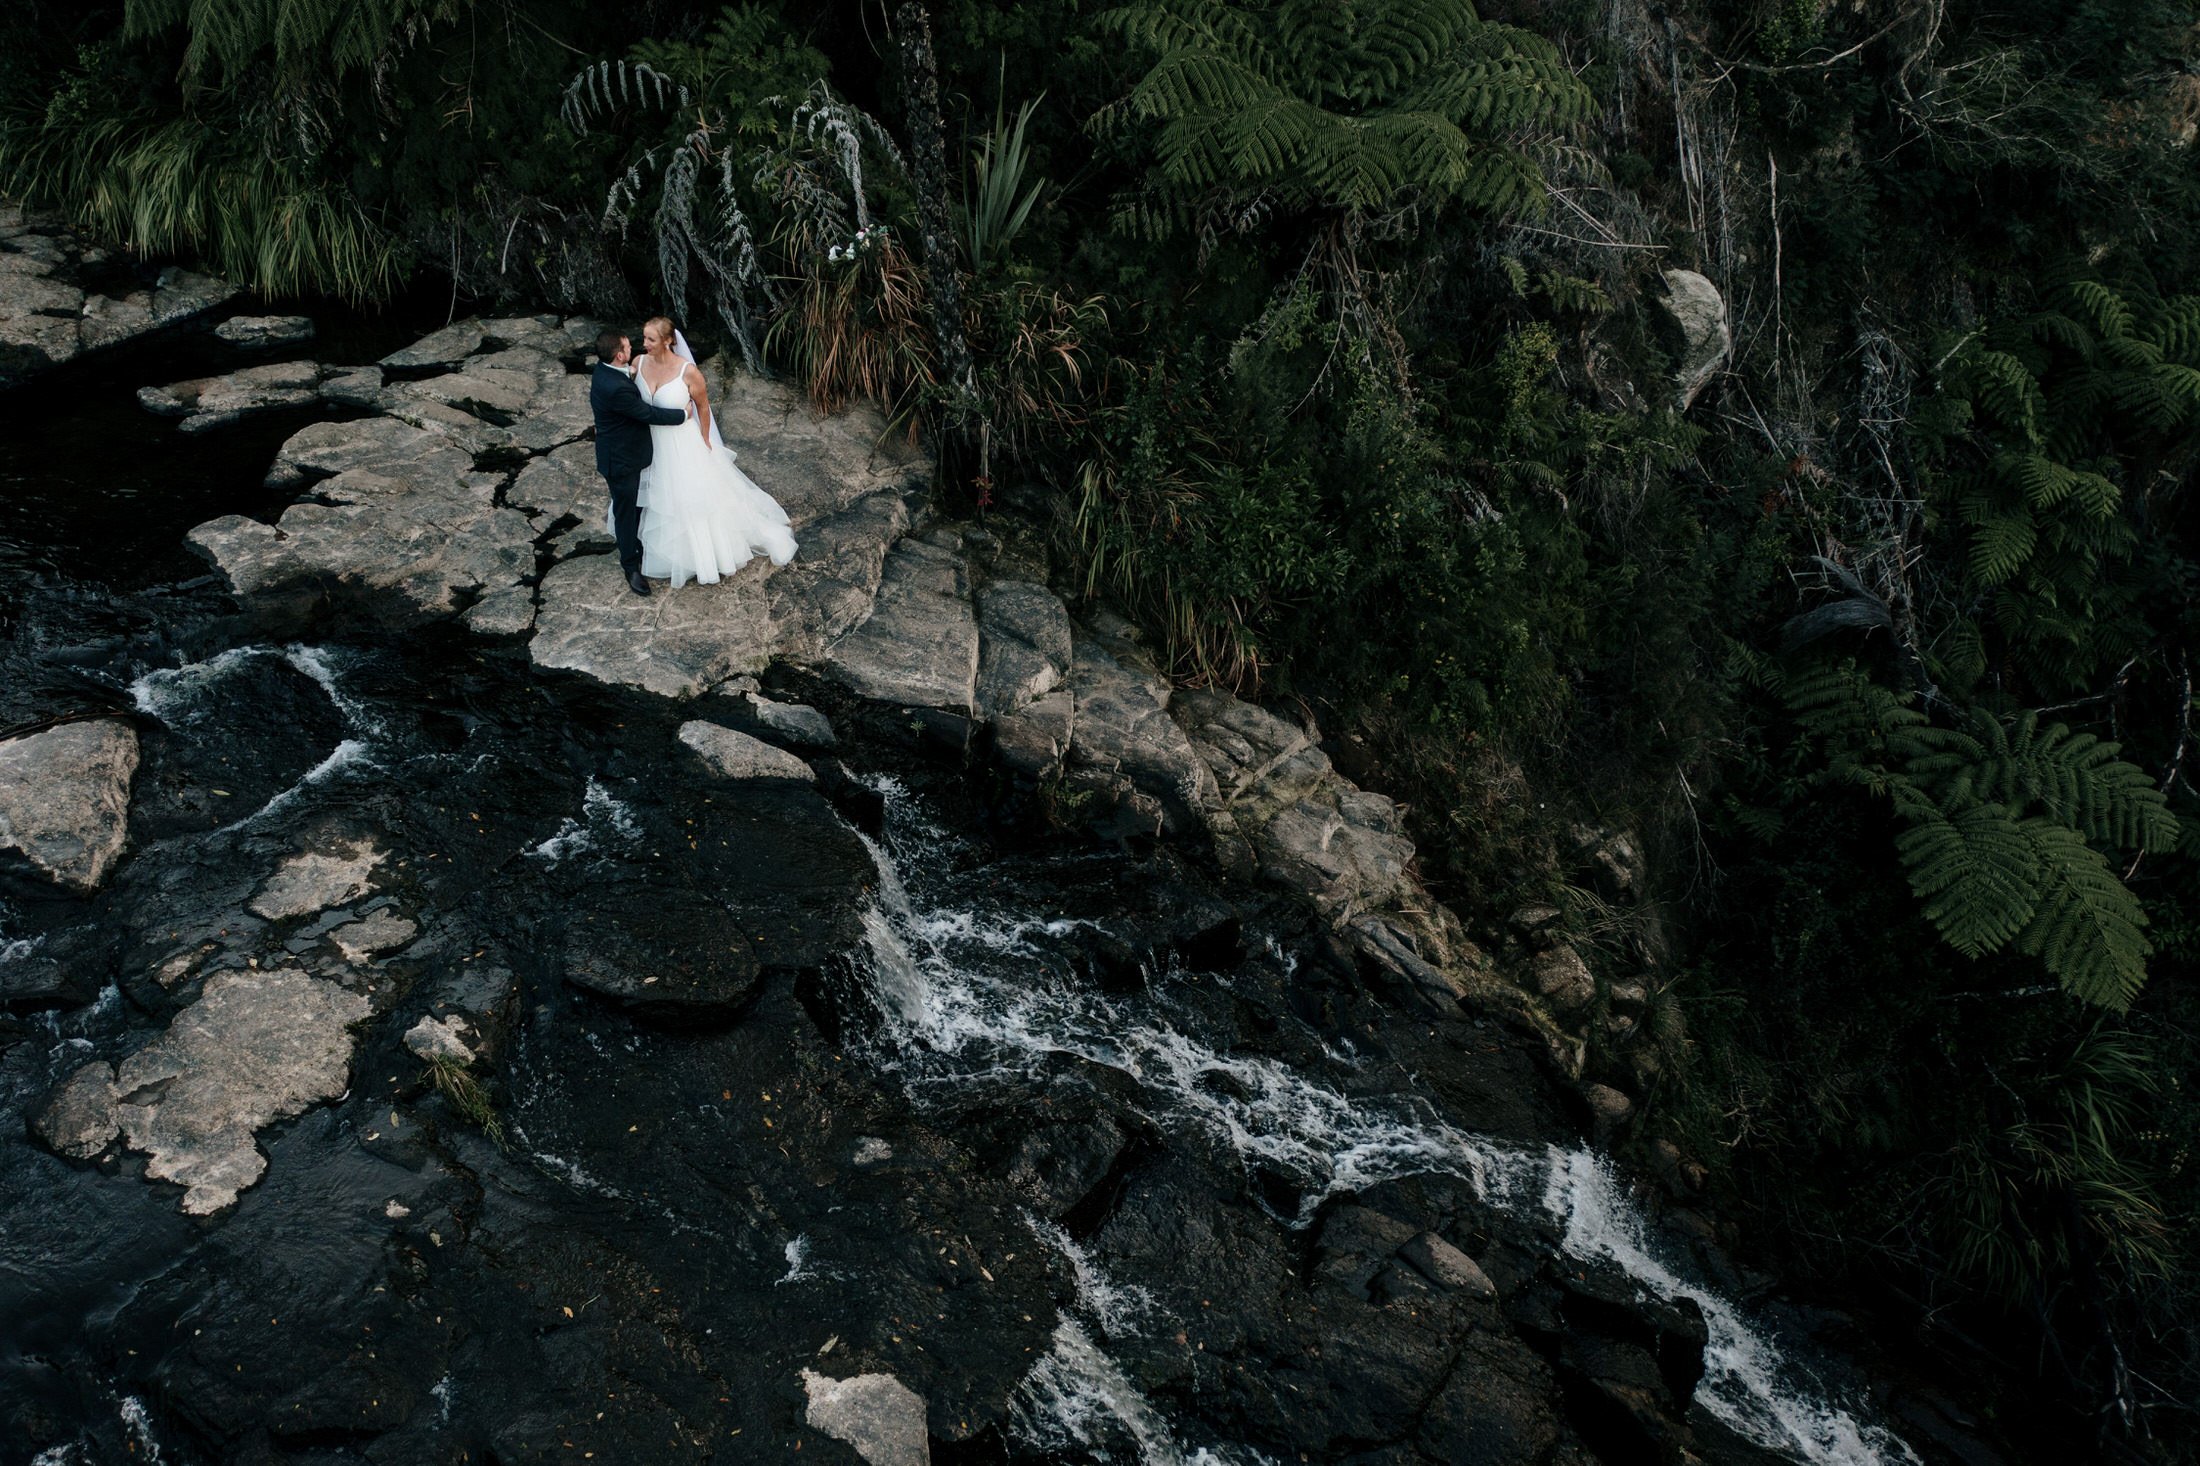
[458,1010]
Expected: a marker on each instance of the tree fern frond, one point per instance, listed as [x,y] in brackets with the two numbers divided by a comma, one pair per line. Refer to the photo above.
[2087,930]
[2104,307]
[1977,873]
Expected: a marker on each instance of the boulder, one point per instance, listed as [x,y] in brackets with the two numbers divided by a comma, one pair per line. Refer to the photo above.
[1696,315]
[797,723]
[878,1415]
[1309,828]
[265,331]
[440,1041]
[109,321]
[312,881]
[180,294]
[738,756]
[1562,979]
[79,1121]
[65,799]
[919,645]
[1034,739]
[1024,646]
[1447,1267]
[255,1048]
[1608,1108]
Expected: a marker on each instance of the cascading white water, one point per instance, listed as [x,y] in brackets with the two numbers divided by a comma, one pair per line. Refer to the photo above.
[966,996]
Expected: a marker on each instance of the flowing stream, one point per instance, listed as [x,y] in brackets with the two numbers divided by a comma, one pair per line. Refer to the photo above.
[971,997]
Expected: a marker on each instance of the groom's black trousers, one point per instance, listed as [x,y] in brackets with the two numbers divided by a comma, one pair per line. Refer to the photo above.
[626,518]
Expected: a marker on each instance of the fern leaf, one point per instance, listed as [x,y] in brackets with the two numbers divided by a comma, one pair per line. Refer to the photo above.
[1976,872]
[2087,930]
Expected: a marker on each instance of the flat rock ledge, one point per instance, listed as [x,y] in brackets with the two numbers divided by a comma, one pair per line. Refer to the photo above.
[256,1047]
[471,493]
[52,312]
[878,1415]
[65,799]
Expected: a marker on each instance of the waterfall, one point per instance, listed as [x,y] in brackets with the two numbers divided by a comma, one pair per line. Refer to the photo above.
[967,997]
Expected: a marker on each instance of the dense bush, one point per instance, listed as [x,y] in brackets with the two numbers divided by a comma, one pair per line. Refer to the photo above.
[1329,331]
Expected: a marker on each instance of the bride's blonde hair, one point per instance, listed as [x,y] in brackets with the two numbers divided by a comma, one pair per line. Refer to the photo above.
[664,328]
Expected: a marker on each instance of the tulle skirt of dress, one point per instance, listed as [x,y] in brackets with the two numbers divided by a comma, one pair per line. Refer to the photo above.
[702,517]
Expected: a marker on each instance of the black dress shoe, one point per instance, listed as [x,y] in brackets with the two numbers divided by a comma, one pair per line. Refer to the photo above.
[636,584]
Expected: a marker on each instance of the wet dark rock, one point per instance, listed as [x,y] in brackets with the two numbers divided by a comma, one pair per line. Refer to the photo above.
[1062,1159]
[739,888]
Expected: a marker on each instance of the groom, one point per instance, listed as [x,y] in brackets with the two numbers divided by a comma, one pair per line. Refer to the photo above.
[623,421]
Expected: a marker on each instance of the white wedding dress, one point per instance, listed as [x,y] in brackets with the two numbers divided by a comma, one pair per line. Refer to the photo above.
[702,519]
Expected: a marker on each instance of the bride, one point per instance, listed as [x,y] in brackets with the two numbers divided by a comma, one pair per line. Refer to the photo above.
[702,518]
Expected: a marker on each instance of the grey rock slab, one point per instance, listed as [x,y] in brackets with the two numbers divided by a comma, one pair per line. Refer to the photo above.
[798,723]
[377,932]
[509,611]
[559,483]
[403,453]
[1123,727]
[431,543]
[878,1415]
[674,643]
[1261,762]
[440,1041]
[831,583]
[65,799]
[1698,313]
[353,387]
[314,880]
[1344,849]
[1035,738]
[79,1121]
[111,320]
[265,331]
[919,646]
[212,401]
[1024,646]
[737,756]
[180,294]
[454,343]
[256,1047]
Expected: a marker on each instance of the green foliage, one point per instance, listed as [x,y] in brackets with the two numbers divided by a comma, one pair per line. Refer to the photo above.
[1370,105]
[1996,818]
[304,39]
[2065,1143]
[2049,427]
[995,212]
[194,186]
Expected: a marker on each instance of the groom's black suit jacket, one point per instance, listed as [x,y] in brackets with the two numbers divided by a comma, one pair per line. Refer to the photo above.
[623,421]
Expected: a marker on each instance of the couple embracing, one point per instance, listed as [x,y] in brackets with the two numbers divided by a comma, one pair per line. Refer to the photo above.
[680,510]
